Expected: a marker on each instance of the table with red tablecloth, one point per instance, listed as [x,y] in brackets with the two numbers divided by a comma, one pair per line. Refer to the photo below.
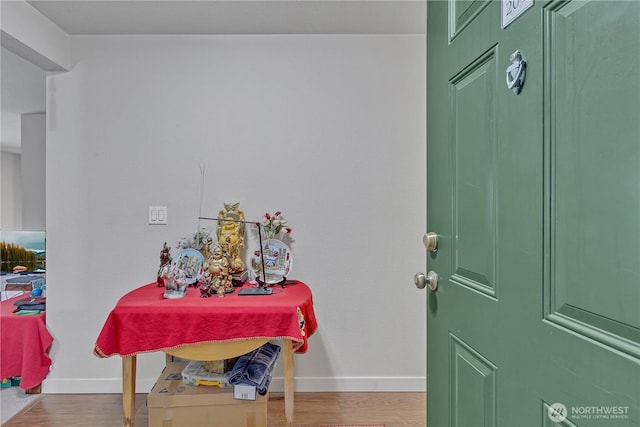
[24,345]
[144,321]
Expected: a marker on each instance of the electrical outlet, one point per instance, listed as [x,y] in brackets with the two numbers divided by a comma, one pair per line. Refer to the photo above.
[157,215]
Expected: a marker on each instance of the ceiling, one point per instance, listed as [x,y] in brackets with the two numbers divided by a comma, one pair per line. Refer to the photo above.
[23,84]
[236,16]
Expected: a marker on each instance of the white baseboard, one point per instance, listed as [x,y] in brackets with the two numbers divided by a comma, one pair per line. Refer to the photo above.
[303,384]
[352,384]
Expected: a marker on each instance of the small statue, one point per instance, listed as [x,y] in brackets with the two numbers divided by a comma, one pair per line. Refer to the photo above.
[206,251]
[165,263]
[230,232]
[217,277]
[183,243]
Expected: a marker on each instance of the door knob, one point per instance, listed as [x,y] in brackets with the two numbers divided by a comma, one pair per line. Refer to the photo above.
[430,280]
[430,241]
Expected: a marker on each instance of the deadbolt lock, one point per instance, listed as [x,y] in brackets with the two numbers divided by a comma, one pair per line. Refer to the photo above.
[430,241]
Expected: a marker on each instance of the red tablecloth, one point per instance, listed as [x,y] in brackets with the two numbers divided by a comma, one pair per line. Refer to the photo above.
[144,321]
[24,342]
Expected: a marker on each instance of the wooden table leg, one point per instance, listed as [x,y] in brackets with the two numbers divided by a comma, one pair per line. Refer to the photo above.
[34,390]
[128,390]
[287,355]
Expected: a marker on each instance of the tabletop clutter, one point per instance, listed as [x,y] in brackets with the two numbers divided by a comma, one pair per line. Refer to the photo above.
[212,259]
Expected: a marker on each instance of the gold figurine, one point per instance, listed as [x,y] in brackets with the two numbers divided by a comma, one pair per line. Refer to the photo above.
[230,232]
[217,277]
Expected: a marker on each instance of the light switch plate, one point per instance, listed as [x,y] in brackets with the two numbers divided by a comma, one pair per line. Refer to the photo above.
[157,215]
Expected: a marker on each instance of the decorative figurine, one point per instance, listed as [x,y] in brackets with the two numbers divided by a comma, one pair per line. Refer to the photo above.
[230,232]
[197,241]
[206,250]
[175,283]
[165,263]
[217,277]
[183,243]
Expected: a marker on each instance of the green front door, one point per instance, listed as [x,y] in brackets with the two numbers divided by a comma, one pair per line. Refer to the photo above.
[535,198]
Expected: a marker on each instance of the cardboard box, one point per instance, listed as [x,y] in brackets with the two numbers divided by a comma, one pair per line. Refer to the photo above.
[172,403]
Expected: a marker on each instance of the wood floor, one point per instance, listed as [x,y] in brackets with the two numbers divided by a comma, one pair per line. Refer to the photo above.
[311,409]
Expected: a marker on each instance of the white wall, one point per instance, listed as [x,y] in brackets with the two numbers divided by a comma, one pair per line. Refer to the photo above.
[23,178]
[328,129]
[34,150]
[11,200]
